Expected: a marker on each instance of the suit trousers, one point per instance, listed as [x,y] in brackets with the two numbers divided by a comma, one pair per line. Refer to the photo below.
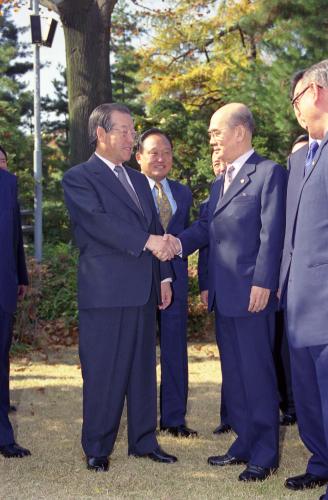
[118,359]
[223,407]
[174,363]
[6,430]
[251,393]
[310,387]
[282,362]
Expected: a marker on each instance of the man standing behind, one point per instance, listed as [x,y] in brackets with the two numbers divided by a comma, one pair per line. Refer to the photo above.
[218,169]
[120,284]
[304,273]
[173,201]
[244,227]
[13,282]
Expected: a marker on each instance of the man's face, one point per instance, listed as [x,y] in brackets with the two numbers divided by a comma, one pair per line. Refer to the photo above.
[3,161]
[156,158]
[222,138]
[117,144]
[217,164]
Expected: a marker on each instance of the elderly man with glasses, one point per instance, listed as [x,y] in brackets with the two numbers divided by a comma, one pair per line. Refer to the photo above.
[304,273]
[120,283]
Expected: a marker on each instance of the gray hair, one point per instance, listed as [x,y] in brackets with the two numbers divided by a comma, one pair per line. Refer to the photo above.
[244,117]
[101,117]
[317,73]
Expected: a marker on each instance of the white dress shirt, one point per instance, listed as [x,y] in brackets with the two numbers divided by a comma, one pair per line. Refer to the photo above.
[238,163]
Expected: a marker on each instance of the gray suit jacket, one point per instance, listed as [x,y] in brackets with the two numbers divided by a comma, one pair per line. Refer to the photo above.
[307,290]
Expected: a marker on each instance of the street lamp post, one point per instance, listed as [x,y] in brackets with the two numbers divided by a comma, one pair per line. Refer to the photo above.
[37,41]
[37,155]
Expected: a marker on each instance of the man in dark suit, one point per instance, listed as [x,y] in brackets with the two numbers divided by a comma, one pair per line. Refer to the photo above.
[155,158]
[304,278]
[13,283]
[120,283]
[244,227]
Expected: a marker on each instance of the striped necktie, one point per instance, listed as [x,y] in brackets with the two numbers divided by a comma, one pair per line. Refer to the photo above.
[164,206]
[310,155]
[125,183]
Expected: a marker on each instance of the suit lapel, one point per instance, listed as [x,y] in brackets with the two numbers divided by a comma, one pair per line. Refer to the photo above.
[306,177]
[143,192]
[239,183]
[178,200]
[109,179]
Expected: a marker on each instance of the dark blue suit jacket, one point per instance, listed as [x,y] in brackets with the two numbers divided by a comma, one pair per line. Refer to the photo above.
[111,232]
[305,258]
[12,262]
[179,222]
[244,230]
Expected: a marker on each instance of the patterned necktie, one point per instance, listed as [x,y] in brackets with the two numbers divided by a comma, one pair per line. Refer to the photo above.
[123,180]
[164,206]
[310,155]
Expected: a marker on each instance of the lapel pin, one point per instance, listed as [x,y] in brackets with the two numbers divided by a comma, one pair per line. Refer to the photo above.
[242,181]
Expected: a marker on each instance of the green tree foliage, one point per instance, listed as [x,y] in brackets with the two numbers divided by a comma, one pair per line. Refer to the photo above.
[15,100]
[206,53]
[125,62]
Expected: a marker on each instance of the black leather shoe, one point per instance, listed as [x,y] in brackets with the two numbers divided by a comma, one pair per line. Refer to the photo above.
[305,481]
[12,408]
[222,429]
[13,450]
[255,473]
[225,460]
[98,464]
[288,419]
[180,431]
[158,455]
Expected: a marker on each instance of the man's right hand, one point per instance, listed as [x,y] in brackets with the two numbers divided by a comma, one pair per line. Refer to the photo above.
[204,297]
[163,249]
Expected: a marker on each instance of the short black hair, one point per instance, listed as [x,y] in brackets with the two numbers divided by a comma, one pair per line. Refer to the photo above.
[4,152]
[152,131]
[294,81]
[301,138]
[101,117]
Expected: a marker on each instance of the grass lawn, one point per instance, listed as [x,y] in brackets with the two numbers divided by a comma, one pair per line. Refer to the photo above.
[47,392]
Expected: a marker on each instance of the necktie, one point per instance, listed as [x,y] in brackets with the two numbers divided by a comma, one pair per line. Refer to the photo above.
[230,171]
[310,155]
[164,206]
[123,180]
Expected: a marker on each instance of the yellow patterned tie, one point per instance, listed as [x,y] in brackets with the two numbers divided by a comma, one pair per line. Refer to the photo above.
[164,207]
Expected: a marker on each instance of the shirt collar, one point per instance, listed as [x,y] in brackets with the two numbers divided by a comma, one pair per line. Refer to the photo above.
[241,160]
[312,140]
[152,182]
[109,163]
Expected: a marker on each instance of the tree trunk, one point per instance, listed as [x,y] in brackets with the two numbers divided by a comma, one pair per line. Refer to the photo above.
[87,26]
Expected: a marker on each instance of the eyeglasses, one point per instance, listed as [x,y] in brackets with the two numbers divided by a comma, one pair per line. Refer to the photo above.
[296,99]
[215,134]
[124,132]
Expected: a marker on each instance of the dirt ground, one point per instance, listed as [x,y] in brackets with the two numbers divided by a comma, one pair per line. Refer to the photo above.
[46,389]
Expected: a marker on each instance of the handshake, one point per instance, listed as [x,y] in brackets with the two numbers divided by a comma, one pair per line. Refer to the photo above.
[164,247]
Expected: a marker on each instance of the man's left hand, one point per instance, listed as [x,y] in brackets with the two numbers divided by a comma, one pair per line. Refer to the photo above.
[22,289]
[258,299]
[166,293]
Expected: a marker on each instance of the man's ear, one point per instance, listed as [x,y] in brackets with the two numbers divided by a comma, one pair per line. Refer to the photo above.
[138,156]
[240,133]
[100,134]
